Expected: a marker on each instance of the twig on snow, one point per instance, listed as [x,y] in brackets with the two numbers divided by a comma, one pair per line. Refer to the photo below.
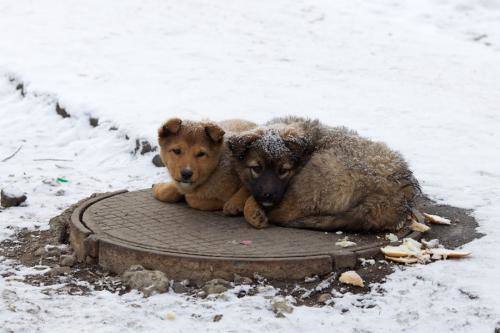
[13,154]
[52,159]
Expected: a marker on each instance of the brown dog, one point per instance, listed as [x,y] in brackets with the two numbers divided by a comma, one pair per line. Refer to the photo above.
[199,163]
[303,174]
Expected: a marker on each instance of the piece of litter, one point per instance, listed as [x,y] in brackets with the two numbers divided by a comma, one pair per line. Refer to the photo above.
[311,279]
[445,254]
[391,237]
[344,242]
[411,252]
[352,278]
[366,262]
[281,305]
[436,219]
[410,247]
[395,251]
[420,227]
[431,244]
[246,242]
[170,315]
[62,180]
[339,232]
[403,260]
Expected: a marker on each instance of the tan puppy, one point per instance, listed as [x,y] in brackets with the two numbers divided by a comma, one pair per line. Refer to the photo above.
[199,163]
[303,174]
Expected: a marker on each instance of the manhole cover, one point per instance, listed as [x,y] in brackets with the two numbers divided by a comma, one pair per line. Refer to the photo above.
[126,228]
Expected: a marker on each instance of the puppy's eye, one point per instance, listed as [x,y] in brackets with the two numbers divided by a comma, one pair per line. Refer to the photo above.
[255,170]
[284,173]
[201,154]
[176,151]
[284,170]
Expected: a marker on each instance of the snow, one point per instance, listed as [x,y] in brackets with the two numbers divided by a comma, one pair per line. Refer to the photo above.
[12,192]
[415,74]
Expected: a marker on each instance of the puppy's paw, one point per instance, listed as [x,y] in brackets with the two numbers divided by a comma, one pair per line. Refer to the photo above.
[166,192]
[255,215]
[233,208]
[258,219]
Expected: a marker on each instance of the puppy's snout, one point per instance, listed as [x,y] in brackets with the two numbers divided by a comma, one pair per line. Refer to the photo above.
[267,199]
[267,189]
[186,174]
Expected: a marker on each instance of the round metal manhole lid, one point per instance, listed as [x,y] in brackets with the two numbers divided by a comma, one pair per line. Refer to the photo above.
[136,218]
[134,228]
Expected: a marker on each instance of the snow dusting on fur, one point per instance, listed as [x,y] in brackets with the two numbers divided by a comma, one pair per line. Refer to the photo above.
[272,144]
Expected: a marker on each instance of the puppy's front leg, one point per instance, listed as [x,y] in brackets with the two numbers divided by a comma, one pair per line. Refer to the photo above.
[254,214]
[285,212]
[236,204]
[204,204]
[166,192]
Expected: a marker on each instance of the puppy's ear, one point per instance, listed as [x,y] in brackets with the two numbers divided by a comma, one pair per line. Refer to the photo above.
[298,146]
[239,144]
[214,132]
[171,127]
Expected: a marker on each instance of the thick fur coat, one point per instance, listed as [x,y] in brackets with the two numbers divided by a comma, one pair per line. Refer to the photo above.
[337,180]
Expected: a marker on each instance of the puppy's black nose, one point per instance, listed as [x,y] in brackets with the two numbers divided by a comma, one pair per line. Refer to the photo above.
[268,196]
[186,174]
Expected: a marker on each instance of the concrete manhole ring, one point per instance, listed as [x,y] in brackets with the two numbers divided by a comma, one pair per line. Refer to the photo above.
[123,228]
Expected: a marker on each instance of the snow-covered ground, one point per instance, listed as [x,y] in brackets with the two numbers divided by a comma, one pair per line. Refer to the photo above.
[420,75]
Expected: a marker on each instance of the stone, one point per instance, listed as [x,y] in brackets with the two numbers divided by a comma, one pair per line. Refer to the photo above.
[170,315]
[214,289]
[52,250]
[56,271]
[59,227]
[217,318]
[62,111]
[180,287]
[216,286]
[280,306]
[90,260]
[144,146]
[157,161]
[94,122]
[40,251]
[20,87]
[223,282]
[146,281]
[91,246]
[59,193]
[242,279]
[323,298]
[67,260]
[11,198]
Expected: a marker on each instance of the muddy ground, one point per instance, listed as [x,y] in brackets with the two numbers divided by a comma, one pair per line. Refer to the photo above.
[42,249]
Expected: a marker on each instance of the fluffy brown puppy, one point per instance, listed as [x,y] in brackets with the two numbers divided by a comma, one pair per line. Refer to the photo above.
[303,174]
[199,163]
